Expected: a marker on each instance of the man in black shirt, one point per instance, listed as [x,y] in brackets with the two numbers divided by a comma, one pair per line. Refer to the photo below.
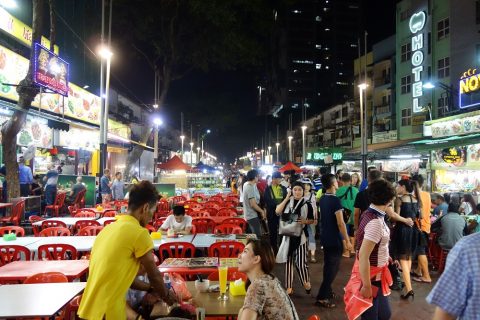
[361,201]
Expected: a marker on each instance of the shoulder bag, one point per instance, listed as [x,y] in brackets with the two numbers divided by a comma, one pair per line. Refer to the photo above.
[288,224]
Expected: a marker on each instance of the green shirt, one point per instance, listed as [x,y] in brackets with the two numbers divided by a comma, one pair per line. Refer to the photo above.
[277,193]
[348,200]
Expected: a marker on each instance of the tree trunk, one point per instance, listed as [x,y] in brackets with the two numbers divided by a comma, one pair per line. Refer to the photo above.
[27,91]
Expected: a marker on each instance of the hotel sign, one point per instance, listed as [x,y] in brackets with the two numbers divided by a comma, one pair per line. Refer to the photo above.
[469,89]
[416,25]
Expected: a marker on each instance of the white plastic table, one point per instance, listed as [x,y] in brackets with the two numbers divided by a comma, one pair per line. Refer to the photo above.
[36,300]
[102,220]
[205,240]
[69,221]
[80,243]
[20,241]
[185,238]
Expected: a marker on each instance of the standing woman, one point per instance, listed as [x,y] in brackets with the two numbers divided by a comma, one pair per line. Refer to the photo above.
[297,246]
[405,239]
[356,181]
[468,205]
[310,197]
[370,273]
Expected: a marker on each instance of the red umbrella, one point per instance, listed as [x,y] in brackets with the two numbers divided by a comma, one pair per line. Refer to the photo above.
[290,166]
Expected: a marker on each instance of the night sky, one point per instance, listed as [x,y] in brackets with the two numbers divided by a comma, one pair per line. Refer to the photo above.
[226,102]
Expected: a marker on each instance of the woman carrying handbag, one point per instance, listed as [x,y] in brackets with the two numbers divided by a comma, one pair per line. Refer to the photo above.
[296,214]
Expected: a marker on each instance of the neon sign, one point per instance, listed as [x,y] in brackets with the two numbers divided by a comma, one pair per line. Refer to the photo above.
[469,89]
[50,71]
[416,25]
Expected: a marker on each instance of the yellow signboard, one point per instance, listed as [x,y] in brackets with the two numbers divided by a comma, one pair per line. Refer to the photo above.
[20,30]
[119,129]
[80,104]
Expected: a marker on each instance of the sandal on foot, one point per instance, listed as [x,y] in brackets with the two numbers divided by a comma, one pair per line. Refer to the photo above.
[325,304]
[420,279]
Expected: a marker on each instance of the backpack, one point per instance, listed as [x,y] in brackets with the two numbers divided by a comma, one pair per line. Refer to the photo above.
[347,212]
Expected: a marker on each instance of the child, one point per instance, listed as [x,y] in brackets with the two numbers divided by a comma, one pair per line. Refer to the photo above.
[178,222]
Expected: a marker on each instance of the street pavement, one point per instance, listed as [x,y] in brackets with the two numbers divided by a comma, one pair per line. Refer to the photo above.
[416,309]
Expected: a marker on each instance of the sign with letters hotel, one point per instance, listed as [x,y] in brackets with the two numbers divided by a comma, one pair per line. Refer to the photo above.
[416,25]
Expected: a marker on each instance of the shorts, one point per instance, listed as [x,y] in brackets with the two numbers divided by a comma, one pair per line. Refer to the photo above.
[422,244]
[350,230]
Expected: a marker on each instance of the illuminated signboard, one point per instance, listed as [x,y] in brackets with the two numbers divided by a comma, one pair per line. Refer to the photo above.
[416,25]
[50,71]
[469,89]
[322,156]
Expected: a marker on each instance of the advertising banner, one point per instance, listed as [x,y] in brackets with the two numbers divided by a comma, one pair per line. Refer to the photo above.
[80,104]
[77,138]
[50,71]
[457,158]
[35,132]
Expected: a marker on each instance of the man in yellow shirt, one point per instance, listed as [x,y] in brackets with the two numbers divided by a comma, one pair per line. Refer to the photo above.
[116,256]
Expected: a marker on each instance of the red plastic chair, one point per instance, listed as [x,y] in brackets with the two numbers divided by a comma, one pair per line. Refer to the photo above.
[233,198]
[85,214]
[19,231]
[204,225]
[238,222]
[212,211]
[217,198]
[200,214]
[80,224]
[16,214]
[199,198]
[90,231]
[227,212]
[232,275]
[176,250]
[178,199]
[195,205]
[314,317]
[57,251]
[226,249]
[227,229]
[230,204]
[52,223]
[71,309]
[58,204]
[109,214]
[213,204]
[107,222]
[54,232]
[158,223]
[46,277]
[13,252]
[33,219]
[150,228]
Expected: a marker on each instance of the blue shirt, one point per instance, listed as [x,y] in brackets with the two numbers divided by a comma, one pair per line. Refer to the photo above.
[329,204]
[441,207]
[52,178]
[363,185]
[25,174]
[317,184]
[104,187]
[457,292]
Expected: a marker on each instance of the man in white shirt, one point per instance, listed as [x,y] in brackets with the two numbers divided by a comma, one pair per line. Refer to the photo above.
[178,222]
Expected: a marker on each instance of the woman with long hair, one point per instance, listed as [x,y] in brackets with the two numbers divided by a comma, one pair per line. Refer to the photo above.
[294,205]
[468,205]
[310,197]
[265,298]
[405,238]
[356,181]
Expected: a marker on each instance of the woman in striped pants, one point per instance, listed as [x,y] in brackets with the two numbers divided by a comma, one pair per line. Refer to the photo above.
[296,205]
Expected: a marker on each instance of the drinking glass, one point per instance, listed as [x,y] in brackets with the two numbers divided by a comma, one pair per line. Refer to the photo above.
[222,279]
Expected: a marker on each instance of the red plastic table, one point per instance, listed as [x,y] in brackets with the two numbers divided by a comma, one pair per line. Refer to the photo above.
[20,270]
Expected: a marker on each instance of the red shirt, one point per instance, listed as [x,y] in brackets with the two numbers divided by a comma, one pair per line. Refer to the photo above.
[262,185]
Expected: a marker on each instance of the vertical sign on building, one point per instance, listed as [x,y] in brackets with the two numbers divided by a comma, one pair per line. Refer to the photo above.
[416,24]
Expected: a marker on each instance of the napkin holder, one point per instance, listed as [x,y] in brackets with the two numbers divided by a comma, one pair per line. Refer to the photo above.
[237,288]
[9,237]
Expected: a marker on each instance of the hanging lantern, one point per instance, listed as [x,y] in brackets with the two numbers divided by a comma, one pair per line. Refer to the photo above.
[54,151]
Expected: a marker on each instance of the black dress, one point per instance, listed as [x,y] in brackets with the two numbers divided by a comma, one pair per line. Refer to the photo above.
[405,238]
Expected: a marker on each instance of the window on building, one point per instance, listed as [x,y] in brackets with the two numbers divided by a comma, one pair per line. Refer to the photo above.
[443,68]
[386,99]
[406,84]
[443,28]
[407,117]
[406,52]
[442,106]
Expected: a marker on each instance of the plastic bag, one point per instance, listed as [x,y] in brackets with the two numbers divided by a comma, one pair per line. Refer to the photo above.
[180,287]
[282,254]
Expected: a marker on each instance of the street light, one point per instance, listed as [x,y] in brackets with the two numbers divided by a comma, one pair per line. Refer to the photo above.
[304,127]
[263,159]
[182,137]
[277,145]
[269,150]
[363,127]
[106,55]
[191,153]
[198,153]
[203,137]
[290,148]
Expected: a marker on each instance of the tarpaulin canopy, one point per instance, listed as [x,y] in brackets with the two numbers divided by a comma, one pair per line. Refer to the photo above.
[290,166]
[201,166]
[175,163]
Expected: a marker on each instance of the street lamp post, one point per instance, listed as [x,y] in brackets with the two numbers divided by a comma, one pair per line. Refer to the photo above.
[182,137]
[269,154]
[304,127]
[191,153]
[290,148]
[106,55]
[198,152]
[157,122]
[363,128]
[262,162]
[277,145]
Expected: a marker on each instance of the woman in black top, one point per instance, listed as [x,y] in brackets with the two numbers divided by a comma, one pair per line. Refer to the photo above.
[297,246]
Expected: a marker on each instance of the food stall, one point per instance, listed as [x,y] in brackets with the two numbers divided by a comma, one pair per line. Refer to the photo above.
[174,171]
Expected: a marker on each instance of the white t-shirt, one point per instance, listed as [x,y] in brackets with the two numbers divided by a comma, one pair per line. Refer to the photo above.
[467,208]
[170,223]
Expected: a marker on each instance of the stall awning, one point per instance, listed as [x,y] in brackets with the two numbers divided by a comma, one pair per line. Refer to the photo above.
[441,143]
[175,163]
